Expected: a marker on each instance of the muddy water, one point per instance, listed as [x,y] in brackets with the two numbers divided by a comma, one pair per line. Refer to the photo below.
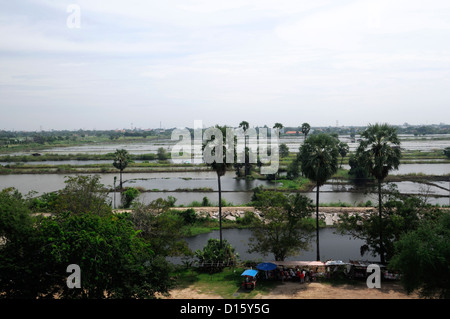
[332,246]
[408,142]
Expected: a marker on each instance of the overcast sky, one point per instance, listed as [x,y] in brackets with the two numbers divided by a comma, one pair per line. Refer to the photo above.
[139,63]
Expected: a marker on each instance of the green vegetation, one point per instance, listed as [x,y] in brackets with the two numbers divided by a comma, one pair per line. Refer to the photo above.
[128,196]
[299,184]
[216,255]
[423,256]
[380,152]
[226,284]
[36,250]
[285,229]
[81,227]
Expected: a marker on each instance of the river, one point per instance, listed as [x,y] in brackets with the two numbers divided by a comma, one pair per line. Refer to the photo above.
[332,246]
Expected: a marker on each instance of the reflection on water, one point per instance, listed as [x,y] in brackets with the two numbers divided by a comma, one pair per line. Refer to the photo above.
[332,246]
[237,192]
[183,180]
[293,143]
[427,169]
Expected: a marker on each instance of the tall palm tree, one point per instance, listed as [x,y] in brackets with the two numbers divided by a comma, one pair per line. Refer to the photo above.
[121,159]
[305,129]
[244,125]
[278,126]
[220,167]
[380,146]
[319,161]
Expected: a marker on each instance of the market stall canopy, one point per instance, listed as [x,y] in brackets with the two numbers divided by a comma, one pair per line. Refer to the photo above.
[299,263]
[250,272]
[335,263]
[266,266]
[364,263]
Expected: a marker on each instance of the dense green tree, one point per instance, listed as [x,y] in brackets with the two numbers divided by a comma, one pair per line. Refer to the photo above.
[319,161]
[121,160]
[285,229]
[284,150]
[293,169]
[83,194]
[19,248]
[216,255]
[401,214]
[45,203]
[359,173]
[160,227]
[423,258]
[114,261]
[380,148]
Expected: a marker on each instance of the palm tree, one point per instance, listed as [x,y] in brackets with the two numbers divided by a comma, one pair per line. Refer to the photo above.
[319,161]
[380,146]
[220,167]
[305,129]
[278,126]
[121,159]
[244,125]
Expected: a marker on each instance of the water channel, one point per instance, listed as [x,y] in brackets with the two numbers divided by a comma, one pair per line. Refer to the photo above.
[332,246]
[408,142]
[237,192]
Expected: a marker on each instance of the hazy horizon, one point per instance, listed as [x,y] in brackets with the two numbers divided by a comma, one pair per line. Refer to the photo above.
[90,64]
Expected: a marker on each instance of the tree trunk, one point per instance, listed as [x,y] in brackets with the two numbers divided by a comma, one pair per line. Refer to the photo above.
[246,159]
[380,209]
[120,179]
[220,210]
[317,223]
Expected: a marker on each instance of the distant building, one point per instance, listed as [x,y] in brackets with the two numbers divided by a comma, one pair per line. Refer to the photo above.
[291,132]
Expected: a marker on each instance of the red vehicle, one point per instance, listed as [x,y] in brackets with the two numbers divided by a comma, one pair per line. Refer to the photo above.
[250,279]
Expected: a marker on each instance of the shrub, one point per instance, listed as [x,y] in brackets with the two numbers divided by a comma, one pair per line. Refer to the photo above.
[214,258]
[128,196]
[189,216]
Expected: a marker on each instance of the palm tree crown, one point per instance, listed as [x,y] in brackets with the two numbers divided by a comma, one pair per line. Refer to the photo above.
[319,157]
[380,144]
[380,149]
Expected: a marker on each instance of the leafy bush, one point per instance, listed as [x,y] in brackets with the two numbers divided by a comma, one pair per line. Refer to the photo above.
[189,216]
[248,219]
[214,257]
[128,196]
[45,203]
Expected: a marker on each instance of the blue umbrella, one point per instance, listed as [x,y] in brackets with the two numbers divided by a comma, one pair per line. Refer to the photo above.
[250,272]
[266,266]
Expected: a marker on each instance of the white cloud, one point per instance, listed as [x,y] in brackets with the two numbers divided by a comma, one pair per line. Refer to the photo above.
[319,61]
